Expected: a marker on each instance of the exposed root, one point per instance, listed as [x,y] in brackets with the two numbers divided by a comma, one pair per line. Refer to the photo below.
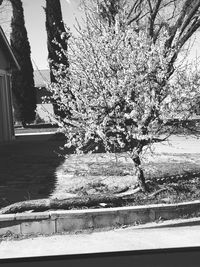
[158,192]
[125,189]
[130,192]
[47,204]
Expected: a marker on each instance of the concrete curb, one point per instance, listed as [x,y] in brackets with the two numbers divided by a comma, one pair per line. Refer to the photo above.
[34,136]
[52,222]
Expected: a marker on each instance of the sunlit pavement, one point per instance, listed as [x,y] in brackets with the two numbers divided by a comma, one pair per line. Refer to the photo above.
[179,144]
[128,239]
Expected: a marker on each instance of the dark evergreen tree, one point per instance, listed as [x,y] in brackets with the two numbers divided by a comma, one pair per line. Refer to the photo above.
[24,92]
[57,39]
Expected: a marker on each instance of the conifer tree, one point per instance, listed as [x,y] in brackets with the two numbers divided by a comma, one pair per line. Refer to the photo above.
[24,92]
[57,38]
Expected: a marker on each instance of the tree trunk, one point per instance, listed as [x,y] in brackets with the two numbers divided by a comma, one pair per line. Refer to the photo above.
[139,173]
[23,124]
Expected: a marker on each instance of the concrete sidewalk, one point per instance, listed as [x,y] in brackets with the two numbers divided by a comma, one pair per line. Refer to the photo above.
[129,239]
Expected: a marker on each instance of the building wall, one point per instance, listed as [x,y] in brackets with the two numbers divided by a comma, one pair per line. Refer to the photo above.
[4,64]
[6,115]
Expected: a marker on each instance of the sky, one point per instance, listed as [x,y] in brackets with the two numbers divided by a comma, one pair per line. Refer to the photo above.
[35,25]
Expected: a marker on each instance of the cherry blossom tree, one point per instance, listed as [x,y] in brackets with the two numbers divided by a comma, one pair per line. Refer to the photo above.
[124,86]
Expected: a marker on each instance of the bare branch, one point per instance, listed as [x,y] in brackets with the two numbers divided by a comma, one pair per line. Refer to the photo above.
[135,18]
[150,6]
[134,8]
[153,17]
[178,23]
[189,33]
[193,11]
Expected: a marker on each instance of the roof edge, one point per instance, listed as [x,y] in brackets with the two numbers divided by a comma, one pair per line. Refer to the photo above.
[9,48]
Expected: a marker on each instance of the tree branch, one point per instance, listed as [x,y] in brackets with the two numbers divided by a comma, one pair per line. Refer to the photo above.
[153,13]
[178,23]
[190,16]
[189,33]
[134,7]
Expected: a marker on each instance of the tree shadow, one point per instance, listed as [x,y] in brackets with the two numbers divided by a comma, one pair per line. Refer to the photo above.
[27,170]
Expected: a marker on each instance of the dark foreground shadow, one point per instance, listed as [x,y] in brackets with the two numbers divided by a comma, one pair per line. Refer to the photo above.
[27,170]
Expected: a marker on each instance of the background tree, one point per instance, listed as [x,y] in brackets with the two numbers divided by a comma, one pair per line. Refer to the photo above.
[24,92]
[57,38]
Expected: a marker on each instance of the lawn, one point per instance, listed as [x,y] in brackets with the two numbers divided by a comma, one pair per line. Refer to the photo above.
[34,170]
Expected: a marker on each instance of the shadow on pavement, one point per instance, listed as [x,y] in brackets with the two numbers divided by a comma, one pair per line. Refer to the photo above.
[27,170]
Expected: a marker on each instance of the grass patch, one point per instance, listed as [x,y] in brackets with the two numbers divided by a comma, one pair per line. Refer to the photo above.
[176,176]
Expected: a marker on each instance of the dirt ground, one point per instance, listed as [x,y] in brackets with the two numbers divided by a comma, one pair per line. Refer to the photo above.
[33,170]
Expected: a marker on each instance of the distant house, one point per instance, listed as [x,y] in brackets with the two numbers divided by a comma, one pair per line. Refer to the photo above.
[41,79]
[8,63]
